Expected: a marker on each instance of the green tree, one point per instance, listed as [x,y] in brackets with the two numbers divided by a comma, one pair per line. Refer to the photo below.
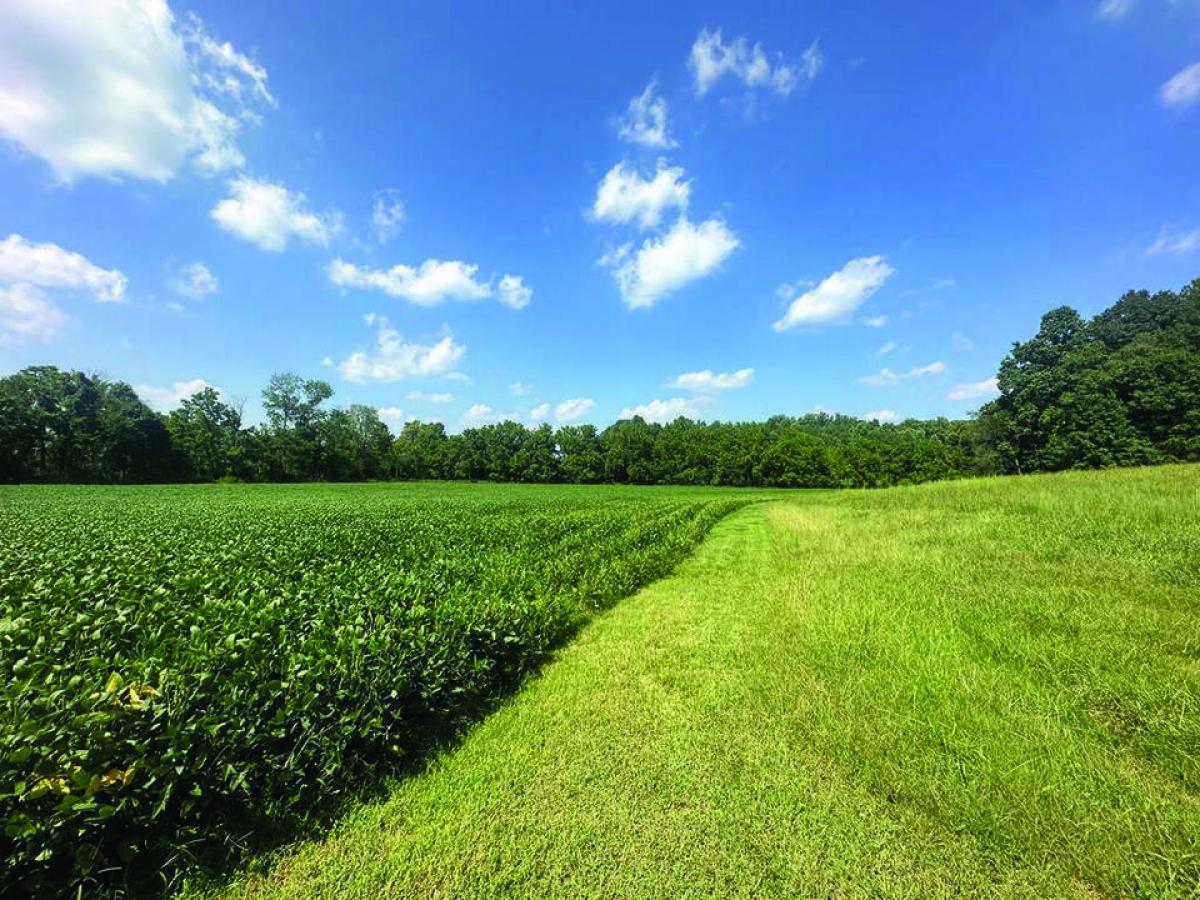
[208,433]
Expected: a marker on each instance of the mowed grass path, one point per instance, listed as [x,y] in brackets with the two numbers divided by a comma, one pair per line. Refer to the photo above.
[975,688]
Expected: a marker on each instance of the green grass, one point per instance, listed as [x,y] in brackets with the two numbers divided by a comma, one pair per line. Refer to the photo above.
[976,688]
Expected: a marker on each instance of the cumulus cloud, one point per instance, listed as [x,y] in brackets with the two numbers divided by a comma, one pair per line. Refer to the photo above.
[513,292]
[662,411]
[1175,243]
[194,280]
[518,389]
[269,215]
[707,381]
[426,397]
[431,283]
[875,321]
[539,413]
[624,195]
[387,215]
[667,263]
[645,121]
[114,88]
[975,390]
[887,348]
[575,408]
[26,312]
[395,359]
[885,377]
[880,415]
[167,398]
[837,297]
[1183,89]
[28,269]
[711,59]
[50,266]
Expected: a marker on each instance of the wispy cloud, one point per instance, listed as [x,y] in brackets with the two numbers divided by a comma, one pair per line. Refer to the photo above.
[1176,243]
[837,297]
[885,377]
[645,121]
[1183,89]
[712,59]
[974,390]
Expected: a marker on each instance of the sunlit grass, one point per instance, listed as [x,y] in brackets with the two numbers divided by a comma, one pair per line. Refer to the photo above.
[975,688]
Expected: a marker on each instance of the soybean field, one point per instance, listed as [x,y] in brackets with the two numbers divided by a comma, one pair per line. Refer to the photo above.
[183,667]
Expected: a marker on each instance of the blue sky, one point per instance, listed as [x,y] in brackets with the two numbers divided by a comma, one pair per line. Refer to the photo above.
[470,211]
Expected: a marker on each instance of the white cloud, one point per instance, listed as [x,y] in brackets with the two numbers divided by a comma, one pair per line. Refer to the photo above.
[875,321]
[1183,89]
[575,408]
[396,359]
[812,61]
[707,381]
[711,59]
[481,414]
[886,348]
[513,292]
[167,398]
[26,269]
[961,342]
[943,284]
[518,389]
[234,71]
[387,216]
[624,195]
[194,280]
[1175,243]
[269,215]
[539,413]
[50,266]
[881,415]
[886,376]
[645,121]
[667,263]
[431,283]
[394,415]
[1114,9]
[837,297]
[113,88]
[460,377]
[665,410]
[426,397]
[26,312]
[975,390]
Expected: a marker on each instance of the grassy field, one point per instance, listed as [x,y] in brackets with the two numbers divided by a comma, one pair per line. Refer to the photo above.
[188,670]
[975,688]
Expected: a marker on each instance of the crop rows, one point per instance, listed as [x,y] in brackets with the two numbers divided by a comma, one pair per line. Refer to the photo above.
[183,666]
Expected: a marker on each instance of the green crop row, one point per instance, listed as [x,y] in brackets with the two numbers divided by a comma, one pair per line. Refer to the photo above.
[183,667]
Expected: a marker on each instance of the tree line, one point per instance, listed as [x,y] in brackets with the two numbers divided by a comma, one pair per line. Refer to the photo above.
[1120,389]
